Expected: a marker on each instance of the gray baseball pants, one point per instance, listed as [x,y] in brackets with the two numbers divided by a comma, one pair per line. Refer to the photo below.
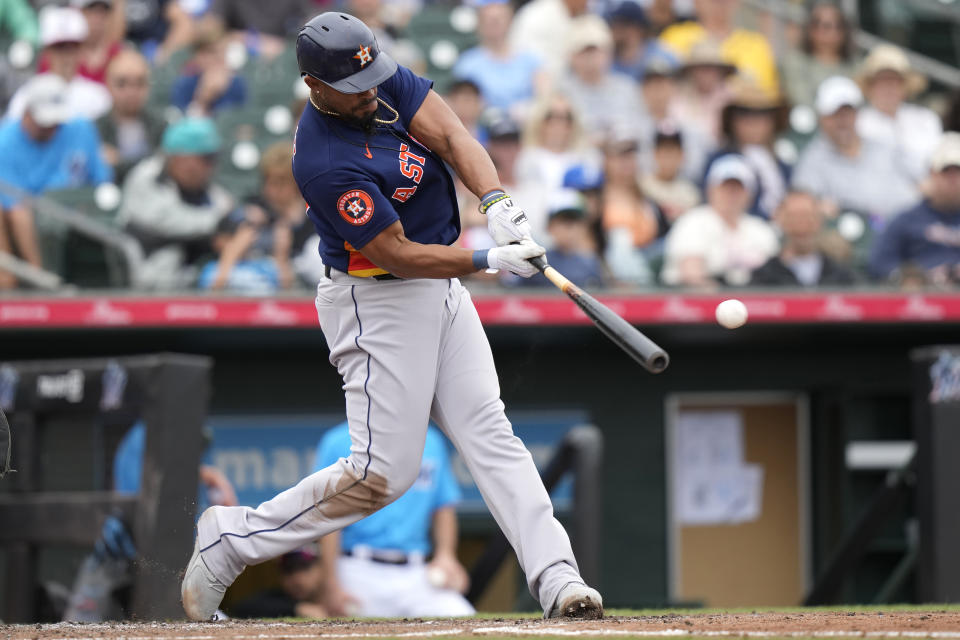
[408,350]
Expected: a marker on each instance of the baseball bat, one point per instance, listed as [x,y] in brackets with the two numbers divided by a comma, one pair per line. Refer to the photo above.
[619,331]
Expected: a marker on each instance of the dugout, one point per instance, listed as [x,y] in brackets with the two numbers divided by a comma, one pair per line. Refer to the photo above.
[63,415]
[847,356]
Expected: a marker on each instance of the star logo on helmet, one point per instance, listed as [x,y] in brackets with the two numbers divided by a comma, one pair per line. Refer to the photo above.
[363,56]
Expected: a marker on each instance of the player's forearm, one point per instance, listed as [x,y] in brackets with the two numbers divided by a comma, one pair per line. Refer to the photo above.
[330,556]
[472,164]
[407,259]
[445,532]
[440,128]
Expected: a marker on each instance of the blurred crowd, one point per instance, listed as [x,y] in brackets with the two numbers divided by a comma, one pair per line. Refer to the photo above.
[652,143]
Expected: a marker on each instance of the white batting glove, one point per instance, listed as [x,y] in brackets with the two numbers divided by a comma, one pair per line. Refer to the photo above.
[506,221]
[515,258]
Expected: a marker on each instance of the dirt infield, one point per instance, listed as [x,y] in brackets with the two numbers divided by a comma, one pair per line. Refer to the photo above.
[813,624]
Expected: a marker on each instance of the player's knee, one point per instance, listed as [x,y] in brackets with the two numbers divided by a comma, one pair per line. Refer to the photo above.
[376,491]
[404,480]
[400,471]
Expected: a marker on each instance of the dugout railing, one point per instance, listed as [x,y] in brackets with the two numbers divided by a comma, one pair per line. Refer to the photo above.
[169,392]
[54,219]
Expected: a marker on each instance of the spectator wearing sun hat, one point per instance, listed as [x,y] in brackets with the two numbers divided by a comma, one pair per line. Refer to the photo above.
[750,124]
[846,170]
[42,150]
[719,242]
[62,31]
[703,92]
[748,50]
[888,82]
[171,204]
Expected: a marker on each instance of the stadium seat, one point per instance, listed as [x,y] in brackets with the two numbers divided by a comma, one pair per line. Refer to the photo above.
[432,25]
[163,76]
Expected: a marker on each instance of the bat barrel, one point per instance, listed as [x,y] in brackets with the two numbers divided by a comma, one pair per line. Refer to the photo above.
[658,362]
[619,331]
[625,335]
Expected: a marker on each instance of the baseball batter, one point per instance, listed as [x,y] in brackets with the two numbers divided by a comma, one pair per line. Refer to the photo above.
[369,158]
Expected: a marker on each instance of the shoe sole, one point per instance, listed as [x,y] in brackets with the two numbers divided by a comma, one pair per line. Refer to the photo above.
[185,599]
[582,608]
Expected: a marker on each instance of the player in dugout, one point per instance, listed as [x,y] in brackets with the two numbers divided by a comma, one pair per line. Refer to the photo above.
[378,567]
[403,332]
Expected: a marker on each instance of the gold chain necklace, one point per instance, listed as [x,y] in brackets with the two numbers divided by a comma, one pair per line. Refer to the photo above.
[396,116]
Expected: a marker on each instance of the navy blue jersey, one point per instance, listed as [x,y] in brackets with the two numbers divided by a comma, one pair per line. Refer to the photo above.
[357,185]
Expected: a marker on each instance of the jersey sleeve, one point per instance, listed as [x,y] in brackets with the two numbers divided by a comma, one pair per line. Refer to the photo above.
[353,204]
[406,92]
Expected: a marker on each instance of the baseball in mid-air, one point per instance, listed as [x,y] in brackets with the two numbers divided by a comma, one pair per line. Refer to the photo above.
[732,313]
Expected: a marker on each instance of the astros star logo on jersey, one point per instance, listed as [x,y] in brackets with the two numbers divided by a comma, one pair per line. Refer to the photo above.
[356,207]
[363,56]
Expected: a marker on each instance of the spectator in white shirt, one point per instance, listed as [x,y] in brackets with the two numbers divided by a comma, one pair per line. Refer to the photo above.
[846,170]
[888,82]
[62,32]
[719,243]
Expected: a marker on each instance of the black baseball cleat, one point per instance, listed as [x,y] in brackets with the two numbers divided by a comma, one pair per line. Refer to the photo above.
[577,601]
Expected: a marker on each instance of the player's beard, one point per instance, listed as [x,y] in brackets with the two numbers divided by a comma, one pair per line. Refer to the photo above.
[368,123]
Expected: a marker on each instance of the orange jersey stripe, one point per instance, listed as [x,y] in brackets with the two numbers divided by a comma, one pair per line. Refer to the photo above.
[361,267]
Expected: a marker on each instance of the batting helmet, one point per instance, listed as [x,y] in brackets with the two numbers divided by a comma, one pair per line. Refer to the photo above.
[342,52]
